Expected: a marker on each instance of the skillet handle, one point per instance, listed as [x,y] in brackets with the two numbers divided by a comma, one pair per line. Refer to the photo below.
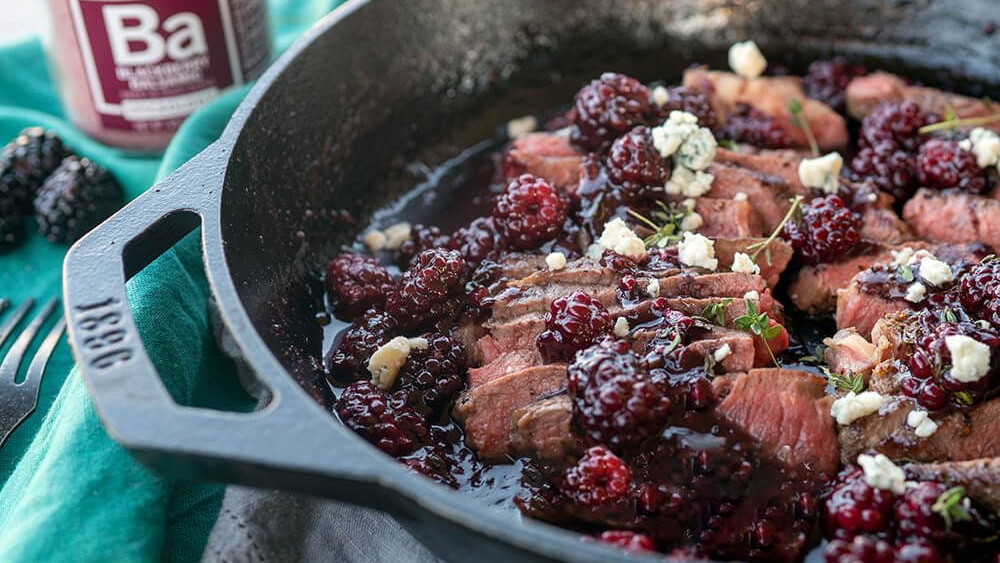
[134,405]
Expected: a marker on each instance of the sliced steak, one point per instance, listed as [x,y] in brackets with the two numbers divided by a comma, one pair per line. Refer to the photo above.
[780,163]
[865,93]
[548,156]
[880,222]
[849,352]
[486,412]
[770,95]
[961,435]
[742,354]
[542,429]
[862,310]
[954,217]
[780,255]
[728,218]
[786,411]
[503,363]
[980,477]
[731,307]
[768,195]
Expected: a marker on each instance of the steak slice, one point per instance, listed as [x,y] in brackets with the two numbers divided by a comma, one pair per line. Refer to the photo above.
[954,217]
[961,435]
[770,95]
[486,412]
[542,429]
[781,163]
[768,195]
[980,477]
[728,218]
[862,310]
[865,93]
[880,222]
[849,352]
[546,155]
[780,254]
[503,363]
[786,411]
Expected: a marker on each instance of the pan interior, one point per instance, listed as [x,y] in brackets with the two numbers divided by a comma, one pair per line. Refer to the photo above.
[397,88]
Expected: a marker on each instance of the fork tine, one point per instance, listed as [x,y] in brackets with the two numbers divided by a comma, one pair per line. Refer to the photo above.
[8,369]
[11,323]
[37,366]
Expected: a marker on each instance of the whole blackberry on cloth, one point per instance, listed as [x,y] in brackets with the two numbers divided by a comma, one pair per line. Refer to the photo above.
[614,402]
[827,230]
[600,477]
[11,223]
[529,213]
[431,376]
[395,428]
[608,107]
[943,164]
[573,323]
[357,283]
[427,291]
[634,161]
[78,196]
[26,162]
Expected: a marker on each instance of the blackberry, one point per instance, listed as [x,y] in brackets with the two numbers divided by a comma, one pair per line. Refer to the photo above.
[77,197]
[11,224]
[634,161]
[432,376]
[528,213]
[573,323]
[367,334]
[478,241]
[625,539]
[828,229]
[600,477]
[422,237]
[427,291]
[894,122]
[943,164]
[980,291]
[930,381]
[433,462]
[614,402]
[914,514]
[862,549]
[26,162]
[608,107]
[682,99]
[889,167]
[749,125]
[393,427]
[357,283]
[854,507]
[827,81]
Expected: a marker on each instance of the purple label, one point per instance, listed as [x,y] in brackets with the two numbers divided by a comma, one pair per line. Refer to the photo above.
[149,64]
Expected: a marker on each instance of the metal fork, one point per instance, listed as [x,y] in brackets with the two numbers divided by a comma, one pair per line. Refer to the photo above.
[19,399]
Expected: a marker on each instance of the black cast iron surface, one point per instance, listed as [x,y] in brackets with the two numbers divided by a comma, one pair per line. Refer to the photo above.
[322,141]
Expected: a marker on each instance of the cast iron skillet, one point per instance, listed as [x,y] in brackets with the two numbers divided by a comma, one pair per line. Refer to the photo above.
[317,146]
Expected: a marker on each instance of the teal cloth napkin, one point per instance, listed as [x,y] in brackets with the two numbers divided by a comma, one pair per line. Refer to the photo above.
[69,493]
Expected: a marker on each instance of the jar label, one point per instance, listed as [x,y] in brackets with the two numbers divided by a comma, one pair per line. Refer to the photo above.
[149,64]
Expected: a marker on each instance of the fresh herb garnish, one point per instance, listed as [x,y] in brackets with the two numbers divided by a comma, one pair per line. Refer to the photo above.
[799,120]
[756,248]
[955,123]
[716,312]
[949,315]
[817,358]
[953,506]
[850,381]
[963,397]
[665,223]
[673,344]
[760,325]
[727,144]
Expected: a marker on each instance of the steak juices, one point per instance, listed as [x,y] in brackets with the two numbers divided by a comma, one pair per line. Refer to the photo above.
[131,72]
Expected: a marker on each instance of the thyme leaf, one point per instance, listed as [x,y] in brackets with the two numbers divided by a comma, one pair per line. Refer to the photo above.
[799,120]
[956,123]
[716,312]
[850,381]
[756,248]
[759,324]
[953,506]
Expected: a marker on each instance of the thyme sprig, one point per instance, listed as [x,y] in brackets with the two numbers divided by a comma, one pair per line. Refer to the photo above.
[955,122]
[800,120]
[953,506]
[758,247]
[665,223]
[759,324]
[716,312]
[850,381]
